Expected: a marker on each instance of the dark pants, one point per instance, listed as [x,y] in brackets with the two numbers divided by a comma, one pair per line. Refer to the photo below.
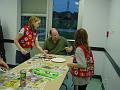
[83,87]
[20,58]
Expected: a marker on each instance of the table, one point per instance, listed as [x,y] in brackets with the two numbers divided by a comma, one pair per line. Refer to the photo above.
[44,83]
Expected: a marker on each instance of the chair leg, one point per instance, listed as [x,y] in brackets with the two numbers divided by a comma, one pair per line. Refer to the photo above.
[64,85]
[67,76]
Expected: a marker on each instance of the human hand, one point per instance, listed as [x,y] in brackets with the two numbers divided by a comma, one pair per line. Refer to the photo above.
[24,51]
[73,65]
[47,55]
[46,51]
[3,69]
[50,57]
[67,49]
[3,64]
[70,65]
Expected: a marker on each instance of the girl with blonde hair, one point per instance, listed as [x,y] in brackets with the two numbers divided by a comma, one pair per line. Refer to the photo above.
[26,39]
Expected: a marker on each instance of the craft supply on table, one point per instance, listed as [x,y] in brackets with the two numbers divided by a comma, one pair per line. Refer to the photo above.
[59,60]
[22,78]
[46,72]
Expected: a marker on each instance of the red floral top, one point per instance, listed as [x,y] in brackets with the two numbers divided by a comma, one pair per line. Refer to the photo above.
[28,39]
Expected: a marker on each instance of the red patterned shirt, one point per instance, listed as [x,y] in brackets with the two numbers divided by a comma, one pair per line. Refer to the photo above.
[28,39]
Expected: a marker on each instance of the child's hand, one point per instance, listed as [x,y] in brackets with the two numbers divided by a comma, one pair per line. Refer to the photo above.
[70,65]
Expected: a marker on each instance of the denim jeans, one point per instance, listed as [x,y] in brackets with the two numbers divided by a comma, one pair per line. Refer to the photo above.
[20,58]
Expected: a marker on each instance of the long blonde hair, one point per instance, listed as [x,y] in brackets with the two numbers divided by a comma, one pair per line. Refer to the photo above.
[32,20]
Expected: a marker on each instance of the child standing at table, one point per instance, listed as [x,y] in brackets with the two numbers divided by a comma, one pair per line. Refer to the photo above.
[83,67]
[26,39]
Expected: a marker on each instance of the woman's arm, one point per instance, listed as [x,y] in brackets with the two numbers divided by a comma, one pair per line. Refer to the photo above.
[39,47]
[19,35]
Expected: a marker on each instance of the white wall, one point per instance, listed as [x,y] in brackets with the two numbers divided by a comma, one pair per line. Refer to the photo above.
[113,43]
[99,58]
[95,20]
[10,23]
[104,68]
[100,16]
[111,80]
